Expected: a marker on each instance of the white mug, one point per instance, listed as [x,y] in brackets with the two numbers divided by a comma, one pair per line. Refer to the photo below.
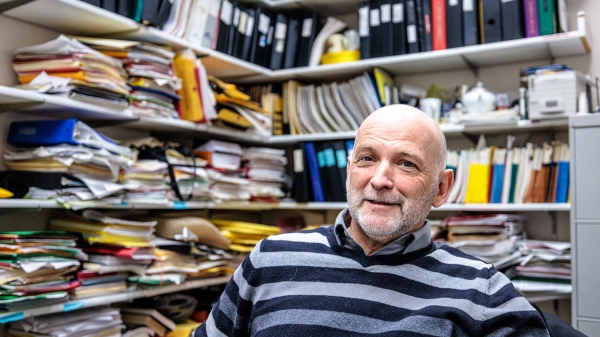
[432,107]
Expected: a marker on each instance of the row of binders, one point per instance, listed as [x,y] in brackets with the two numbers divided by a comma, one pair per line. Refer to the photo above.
[394,27]
[254,34]
[531,174]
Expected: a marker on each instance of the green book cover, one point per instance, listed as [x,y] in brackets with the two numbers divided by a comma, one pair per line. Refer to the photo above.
[513,183]
[547,17]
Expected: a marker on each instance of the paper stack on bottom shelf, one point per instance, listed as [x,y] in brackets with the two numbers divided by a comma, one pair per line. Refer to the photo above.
[37,268]
[545,270]
[97,321]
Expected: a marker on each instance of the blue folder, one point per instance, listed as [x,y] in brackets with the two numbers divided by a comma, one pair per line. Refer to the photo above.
[46,133]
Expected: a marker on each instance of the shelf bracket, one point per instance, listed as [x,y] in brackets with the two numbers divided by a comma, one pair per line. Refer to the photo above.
[474,68]
[13,4]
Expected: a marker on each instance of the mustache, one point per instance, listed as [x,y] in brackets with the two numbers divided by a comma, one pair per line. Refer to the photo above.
[383,198]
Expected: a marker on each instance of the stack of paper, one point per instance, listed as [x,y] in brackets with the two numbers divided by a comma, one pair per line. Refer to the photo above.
[244,235]
[492,238]
[265,168]
[545,268]
[96,321]
[145,317]
[145,182]
[153,83]
[37,268]
[116,247]
[76,71]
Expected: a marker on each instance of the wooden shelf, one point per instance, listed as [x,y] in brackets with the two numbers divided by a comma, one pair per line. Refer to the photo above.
[11,316]
[79,18]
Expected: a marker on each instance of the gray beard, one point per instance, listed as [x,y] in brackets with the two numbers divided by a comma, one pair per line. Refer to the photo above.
[412,212]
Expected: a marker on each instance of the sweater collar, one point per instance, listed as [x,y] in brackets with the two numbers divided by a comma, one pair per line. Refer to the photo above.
[405,244]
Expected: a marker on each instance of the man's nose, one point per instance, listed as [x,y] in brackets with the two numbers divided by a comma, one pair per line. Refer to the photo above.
[382,177]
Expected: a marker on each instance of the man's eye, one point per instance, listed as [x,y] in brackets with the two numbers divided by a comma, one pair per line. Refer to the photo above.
[407,164]
[367,158]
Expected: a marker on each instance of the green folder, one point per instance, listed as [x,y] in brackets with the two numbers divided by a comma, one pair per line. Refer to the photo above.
[547,17]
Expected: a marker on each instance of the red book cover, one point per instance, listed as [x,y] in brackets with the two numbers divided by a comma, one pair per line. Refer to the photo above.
[438,14]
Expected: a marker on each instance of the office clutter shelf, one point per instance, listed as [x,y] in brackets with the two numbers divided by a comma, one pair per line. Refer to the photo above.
[79,18]
[7,317]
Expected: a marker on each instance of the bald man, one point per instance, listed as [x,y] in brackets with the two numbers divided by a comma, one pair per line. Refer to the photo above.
[376,271]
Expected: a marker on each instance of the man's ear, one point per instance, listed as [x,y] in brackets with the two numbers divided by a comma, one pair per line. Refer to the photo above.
[445,184]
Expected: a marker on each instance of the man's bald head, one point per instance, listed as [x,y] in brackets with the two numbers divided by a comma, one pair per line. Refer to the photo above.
[398,115]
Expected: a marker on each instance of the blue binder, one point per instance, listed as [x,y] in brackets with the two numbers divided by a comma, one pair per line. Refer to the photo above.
[313,169]
[46,133]
[562,183]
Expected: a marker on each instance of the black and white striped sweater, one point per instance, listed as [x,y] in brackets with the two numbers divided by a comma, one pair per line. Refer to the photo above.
[306,284]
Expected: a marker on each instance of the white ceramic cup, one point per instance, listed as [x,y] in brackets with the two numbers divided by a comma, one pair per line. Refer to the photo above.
[432,107]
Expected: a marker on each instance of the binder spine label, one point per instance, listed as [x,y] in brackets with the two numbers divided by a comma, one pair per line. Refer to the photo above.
[329,157]
[386,13]
[397,13]
[263,23]
[242,23]
[226,12]
[307,27]
[270,35]
[249,25]
[342,160]
[411,33]
[375,17]
[280,30]
[467,5]
[363,22]
[298,160]
[236,17]
[453,3]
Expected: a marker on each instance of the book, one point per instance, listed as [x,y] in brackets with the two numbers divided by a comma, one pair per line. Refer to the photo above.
[211,28]
[308,31]
[386,30]
[313,169]
[412,40]
[144,320]
[512,20]
[530,15]
[470,22]
[423,12]
[547,17]
[454,23]
[155,314]
[292,42]
[490,23]
[438,24]
[364,8]
[225,25]
[399,27]
[260,45]
[278,48]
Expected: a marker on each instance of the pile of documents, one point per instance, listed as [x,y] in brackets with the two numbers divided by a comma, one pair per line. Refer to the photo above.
[75,70]
[544,269]
[95,321]
[237,110]
[186,248]
[116,247]
[66,160]
[531,174]
[152,319]
[153,82]
[146,182]
[265,169]
[244,235]
[492,238]
[37,268]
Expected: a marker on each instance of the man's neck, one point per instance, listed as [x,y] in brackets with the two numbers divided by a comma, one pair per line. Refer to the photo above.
[370,245]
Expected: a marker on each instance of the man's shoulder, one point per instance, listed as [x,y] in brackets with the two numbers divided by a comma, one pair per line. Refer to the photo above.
[454,256]
[314,236]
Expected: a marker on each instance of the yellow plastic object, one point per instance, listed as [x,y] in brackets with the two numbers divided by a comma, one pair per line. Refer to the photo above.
[340,57]
[184,329]
[229,89]
[190,104]
[4,194]
[229,116]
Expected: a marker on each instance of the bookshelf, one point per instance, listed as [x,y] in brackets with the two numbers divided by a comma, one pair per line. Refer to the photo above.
[78,18]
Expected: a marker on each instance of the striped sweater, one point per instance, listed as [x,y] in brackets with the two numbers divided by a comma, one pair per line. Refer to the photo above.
[306,284]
